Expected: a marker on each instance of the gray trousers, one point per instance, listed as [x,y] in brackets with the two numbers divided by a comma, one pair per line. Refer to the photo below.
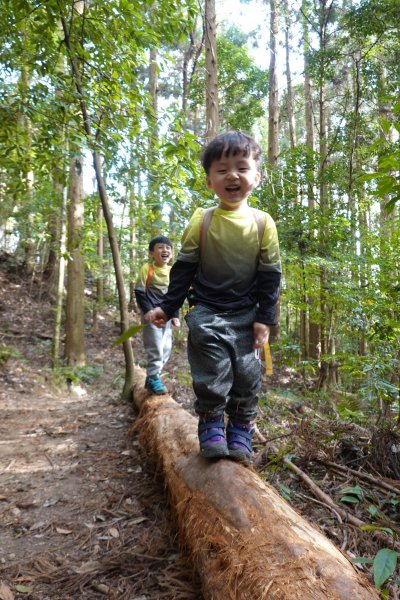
[225,370]
[157,345]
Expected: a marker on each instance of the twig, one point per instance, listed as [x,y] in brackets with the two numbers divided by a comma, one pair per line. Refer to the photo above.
[364,476]
[328,500]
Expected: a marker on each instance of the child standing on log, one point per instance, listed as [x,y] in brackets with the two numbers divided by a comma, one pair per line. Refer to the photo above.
[150,288]
[230,260]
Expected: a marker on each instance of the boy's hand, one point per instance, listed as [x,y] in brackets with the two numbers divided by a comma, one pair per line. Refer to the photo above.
[261,334]
[156,316]
[176,322]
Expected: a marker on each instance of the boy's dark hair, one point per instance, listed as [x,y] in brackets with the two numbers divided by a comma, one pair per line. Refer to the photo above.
[159,239]
[230,143]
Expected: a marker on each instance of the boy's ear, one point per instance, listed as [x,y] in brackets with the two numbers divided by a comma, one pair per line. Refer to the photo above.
[208,182]
[257,179]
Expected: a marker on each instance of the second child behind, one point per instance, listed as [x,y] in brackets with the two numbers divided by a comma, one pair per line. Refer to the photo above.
[235,279]
[150,288]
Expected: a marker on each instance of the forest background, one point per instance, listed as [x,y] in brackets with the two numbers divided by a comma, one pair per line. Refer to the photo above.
[139,87]
[136,89]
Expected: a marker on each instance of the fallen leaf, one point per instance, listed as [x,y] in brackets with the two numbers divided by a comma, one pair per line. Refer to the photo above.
[113,531]
[137,520]
[63,531]
[23,589]
[50,502]
[5,592]
[92,566]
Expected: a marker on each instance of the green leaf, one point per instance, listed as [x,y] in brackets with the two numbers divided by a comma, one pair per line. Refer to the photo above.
[128,333]
[349,499]
[23,589]
[385,563]
[386,125]
[351,491]
[286,492]
[373,510]
[362,560]
[376,528]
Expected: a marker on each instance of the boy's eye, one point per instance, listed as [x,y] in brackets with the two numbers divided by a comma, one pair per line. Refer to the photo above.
[221,171]
[243,169]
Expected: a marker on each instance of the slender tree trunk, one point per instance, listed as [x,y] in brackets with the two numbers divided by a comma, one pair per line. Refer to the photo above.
[127,348]
[273,99]
[99,300]
[190,57]
[55,352]
[153,195]
[75,309]
[212,108]
[313,345]
[289,103]
[27,179]
[273,117]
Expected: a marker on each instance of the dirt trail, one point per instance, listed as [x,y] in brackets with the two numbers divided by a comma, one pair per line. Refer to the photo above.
[81,513]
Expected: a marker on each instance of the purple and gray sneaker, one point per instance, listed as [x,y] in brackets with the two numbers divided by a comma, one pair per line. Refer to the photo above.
[212,437]
[239,438]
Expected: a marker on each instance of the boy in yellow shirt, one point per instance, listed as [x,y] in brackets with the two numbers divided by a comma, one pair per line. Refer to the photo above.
[234,270]
[150,288]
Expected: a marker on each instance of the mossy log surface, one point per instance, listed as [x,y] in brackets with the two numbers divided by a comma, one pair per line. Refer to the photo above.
[244,540]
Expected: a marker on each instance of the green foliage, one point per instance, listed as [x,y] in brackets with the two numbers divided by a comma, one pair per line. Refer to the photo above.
[7,353]
[83,374]
[242,85]
[384,564]
[130,332]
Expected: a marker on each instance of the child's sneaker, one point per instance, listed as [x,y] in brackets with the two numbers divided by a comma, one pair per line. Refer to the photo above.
[155,385]
[212,437]
[239,437]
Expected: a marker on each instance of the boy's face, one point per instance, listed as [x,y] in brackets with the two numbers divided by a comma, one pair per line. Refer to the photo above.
[161,254]
[233,178]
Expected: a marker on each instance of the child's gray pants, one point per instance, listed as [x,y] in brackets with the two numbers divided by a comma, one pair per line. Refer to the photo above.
[157,345]
[225,370]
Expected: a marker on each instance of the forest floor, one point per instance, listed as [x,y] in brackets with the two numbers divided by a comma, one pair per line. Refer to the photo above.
[82,513]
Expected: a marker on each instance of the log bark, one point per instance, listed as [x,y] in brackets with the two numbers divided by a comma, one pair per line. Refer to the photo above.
[244,540]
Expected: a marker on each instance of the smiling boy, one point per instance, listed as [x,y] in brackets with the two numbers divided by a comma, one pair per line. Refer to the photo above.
[150,288]
[234,270]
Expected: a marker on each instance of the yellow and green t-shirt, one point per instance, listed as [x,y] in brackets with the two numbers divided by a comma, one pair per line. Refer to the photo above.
[232,269]
[150,296]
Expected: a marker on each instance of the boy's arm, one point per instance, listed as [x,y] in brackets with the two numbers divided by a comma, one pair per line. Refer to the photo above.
[181,277]
[268,285]
[140,291]
[268,275]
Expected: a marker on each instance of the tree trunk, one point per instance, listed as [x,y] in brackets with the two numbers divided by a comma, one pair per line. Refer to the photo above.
[74,323]
[273,120]
[127,348]
[55,350]
[313,347]
[212,109]
[243,539]
[289,103]
[99,300]
[273,100]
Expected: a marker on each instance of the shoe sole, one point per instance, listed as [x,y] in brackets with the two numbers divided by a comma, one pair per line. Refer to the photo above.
[217,451]
[239,456]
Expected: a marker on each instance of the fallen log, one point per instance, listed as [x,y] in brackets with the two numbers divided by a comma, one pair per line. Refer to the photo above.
[243,539]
